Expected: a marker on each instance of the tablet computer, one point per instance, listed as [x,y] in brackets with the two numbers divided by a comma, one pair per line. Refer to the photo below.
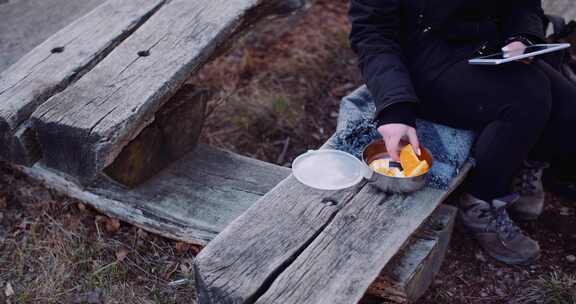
[530,51]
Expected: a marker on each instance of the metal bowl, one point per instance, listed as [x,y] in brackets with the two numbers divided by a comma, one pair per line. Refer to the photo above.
[377,150]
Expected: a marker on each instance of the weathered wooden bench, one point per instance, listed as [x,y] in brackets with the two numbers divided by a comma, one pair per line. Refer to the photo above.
[100,108]
[100,112]
[301,245]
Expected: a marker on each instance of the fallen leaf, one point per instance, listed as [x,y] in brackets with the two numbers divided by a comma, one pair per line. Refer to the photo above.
[121,254]
[112,225]
[9,291]
[3,203]
[182,247]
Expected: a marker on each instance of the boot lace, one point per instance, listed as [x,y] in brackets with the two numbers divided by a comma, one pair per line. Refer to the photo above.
[526,183]
[501,223]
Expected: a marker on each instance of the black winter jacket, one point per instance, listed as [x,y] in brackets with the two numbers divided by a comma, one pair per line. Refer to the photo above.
[403,45]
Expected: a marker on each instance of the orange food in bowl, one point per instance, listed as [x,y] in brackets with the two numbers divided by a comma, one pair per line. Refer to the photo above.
[411,164]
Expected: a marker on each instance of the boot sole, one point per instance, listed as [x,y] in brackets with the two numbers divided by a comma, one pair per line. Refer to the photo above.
[509,261]
[506,260]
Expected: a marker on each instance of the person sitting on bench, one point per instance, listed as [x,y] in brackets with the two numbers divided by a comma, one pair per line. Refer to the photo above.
[414,59]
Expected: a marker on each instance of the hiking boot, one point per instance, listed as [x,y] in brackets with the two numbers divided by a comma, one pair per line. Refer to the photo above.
[495,231]
[528,184]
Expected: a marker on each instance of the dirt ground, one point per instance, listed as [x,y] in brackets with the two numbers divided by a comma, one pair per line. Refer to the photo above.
[277,96]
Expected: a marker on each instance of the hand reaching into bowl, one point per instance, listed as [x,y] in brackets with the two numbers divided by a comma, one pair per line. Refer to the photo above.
[395,134]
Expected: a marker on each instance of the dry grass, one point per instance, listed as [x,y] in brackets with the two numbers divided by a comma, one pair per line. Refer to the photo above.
[555,288]
[280,90]
[53,250]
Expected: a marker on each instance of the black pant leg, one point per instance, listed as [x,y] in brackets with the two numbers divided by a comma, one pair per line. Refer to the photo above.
[508,105]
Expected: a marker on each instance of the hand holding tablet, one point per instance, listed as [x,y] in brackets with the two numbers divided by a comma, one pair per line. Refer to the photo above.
[519,54]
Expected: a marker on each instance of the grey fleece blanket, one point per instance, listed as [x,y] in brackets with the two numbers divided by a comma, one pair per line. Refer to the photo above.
[450,147]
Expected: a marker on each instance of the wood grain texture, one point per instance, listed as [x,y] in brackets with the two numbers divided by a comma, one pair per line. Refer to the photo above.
[192,200]
[24,24]
[251,251]
[84,128]
[59,61]
[268,255]
[174,133]
[347,256]
[238,264]
[407,277]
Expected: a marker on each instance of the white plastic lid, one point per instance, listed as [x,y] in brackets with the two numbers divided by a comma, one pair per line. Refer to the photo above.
[329,169]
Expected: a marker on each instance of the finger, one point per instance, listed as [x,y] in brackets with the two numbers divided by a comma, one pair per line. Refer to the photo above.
[392,147]
[413,138]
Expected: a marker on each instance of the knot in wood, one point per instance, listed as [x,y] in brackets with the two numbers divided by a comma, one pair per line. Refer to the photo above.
[56,50]
[350,218]
[329,201]
[144,53]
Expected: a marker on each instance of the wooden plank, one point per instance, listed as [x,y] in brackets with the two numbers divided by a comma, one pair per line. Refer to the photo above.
[84,128]
[24,24]
[174,133]
[61,60]
[255,247]
[192,200]
[268,255]
[237,265]
[347,256]
[407,277]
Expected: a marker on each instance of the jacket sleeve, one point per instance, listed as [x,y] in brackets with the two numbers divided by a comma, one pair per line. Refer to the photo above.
[374,38]
[525,18]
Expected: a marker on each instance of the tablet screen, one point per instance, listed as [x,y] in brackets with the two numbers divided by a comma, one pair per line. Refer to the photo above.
[528,50]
